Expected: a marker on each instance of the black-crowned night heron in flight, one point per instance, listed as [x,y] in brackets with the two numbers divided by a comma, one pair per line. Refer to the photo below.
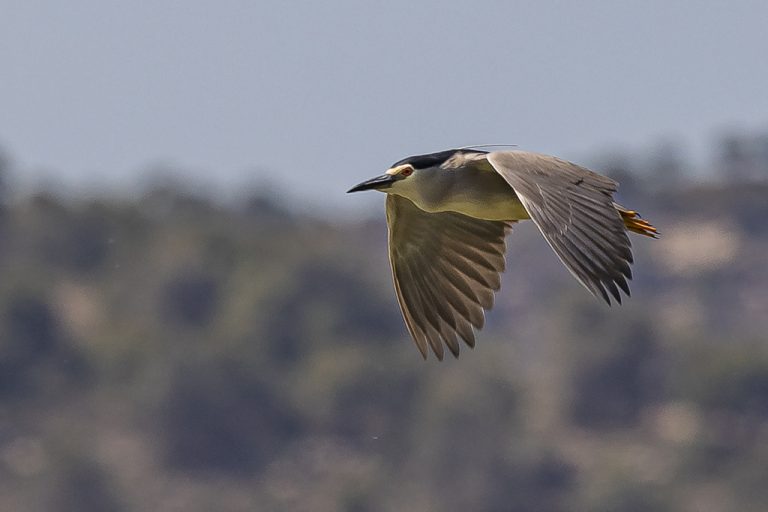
[448,214]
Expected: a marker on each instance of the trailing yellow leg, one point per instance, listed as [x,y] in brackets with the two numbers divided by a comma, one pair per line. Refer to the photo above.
[635,223]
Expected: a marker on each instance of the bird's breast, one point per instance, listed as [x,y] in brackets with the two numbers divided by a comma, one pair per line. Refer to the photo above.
[488,207]
[480,194]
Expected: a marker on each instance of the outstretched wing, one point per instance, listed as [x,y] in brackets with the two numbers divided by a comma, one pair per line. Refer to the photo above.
[574,210]
[445,267]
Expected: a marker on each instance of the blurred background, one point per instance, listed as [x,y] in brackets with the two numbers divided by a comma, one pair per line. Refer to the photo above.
[194,316]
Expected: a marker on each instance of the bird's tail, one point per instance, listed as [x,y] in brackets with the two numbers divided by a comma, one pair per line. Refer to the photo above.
[635,223]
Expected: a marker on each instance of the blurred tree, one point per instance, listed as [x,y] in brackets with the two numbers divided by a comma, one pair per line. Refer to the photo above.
[216,417]
[761,142]
[617,376]
[666,166]
[302,306]
[733,380]
[82,485]
[85,246]
[33,350]
[190,298]
[733,158]
[742,157]
[261,204]
[5,171]
[75,240]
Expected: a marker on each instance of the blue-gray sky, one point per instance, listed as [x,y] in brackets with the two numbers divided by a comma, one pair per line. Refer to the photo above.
[319,95]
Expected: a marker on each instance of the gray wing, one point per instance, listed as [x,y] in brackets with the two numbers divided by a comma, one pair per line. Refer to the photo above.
[573,207]
[445,267]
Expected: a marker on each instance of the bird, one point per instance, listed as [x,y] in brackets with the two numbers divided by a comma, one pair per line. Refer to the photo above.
[448,215]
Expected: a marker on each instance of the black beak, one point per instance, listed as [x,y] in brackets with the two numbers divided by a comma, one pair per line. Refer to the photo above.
[376,183]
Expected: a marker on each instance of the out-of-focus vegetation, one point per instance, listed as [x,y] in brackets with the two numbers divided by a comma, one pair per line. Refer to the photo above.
[174,353]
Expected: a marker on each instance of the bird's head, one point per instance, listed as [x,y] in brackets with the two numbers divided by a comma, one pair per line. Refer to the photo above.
[387,181]
[407,171]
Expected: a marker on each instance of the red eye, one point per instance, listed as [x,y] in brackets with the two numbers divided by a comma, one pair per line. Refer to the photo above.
[407,171]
